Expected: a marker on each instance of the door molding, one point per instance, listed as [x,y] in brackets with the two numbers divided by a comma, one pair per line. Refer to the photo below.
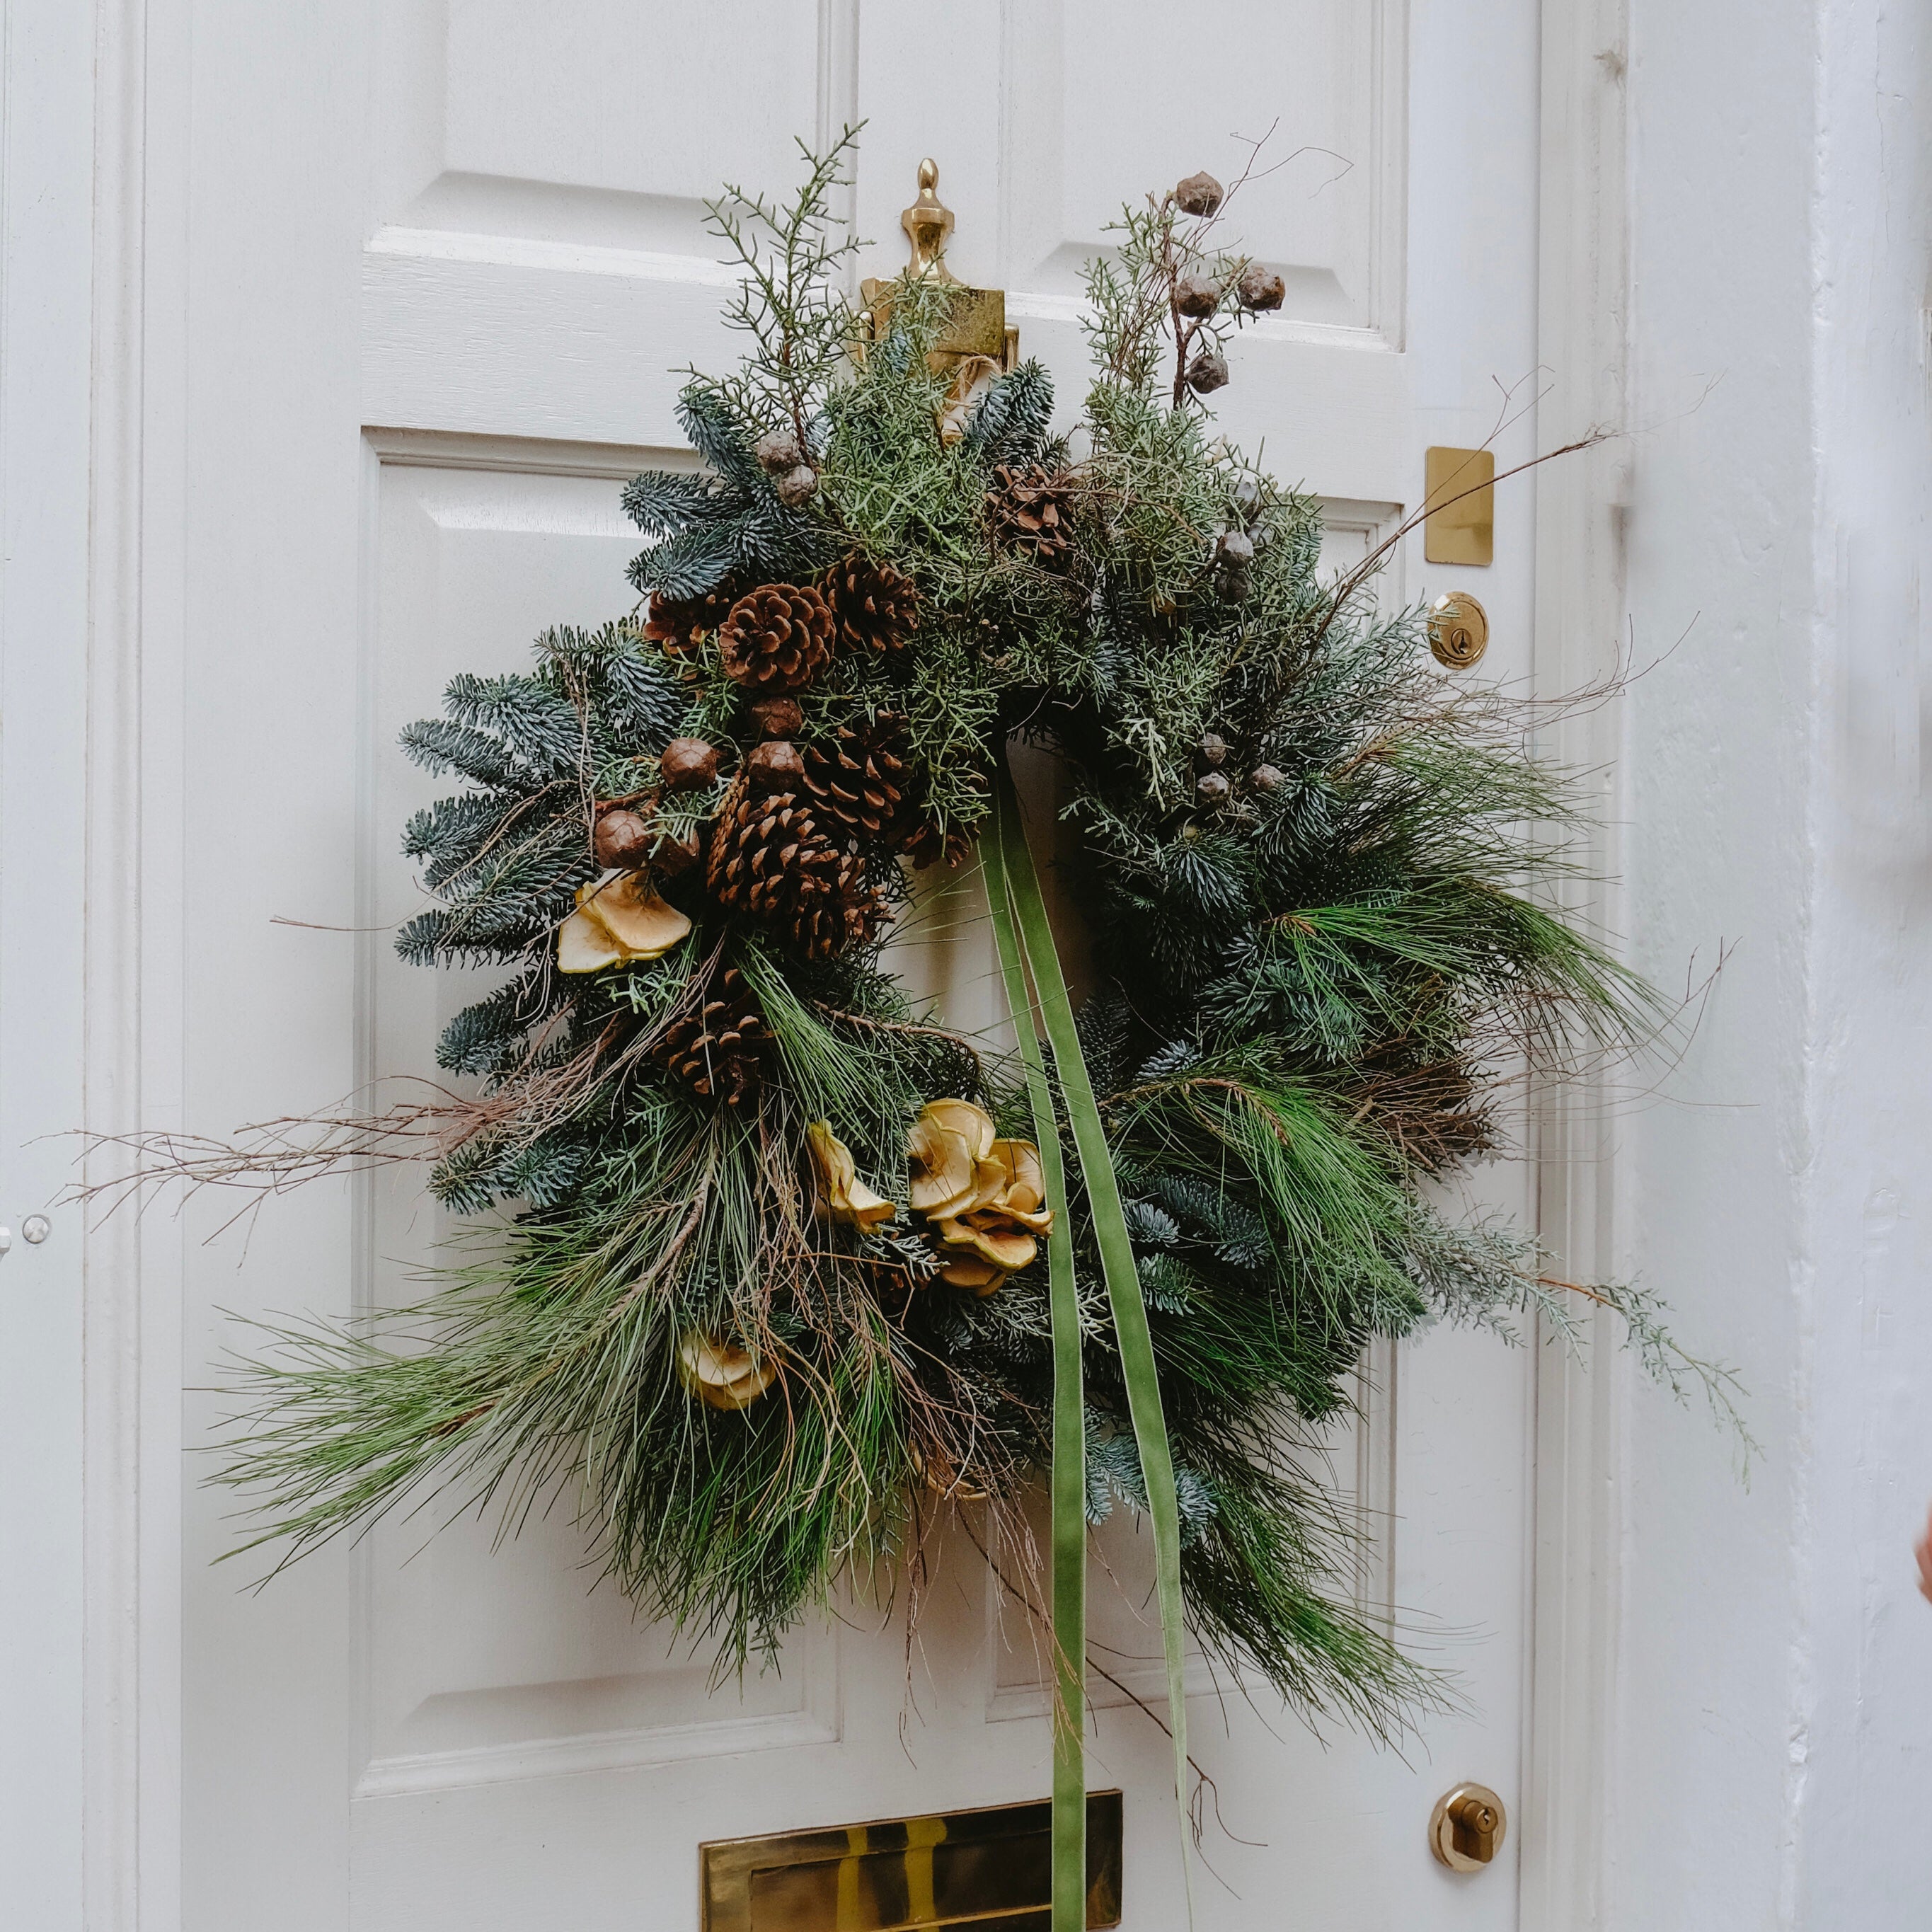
[131,1438]
[1576,1440]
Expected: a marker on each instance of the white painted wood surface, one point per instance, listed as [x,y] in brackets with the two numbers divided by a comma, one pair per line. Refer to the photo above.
[46,299]
[395,305]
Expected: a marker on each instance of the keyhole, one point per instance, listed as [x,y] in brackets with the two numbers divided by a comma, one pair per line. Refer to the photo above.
[1458,630]
[1474,1825]
[1466,1830]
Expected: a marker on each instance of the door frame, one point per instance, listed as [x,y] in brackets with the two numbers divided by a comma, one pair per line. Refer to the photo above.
[1575,1485]
[123,72]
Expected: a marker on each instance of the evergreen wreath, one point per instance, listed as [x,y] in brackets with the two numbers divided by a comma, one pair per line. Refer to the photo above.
[790,1263]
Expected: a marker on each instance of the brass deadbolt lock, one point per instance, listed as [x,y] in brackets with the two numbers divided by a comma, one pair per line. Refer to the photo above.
[1458,630]
[1466,1830]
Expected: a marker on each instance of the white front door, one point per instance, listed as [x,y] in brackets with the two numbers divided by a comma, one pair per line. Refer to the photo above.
[434,263]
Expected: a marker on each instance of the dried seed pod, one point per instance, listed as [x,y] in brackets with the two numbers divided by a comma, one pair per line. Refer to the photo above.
[1197,296]
[1212,788]
[774,766]
[796,485]
[778,450]
[686,764]
[1245,494]
[1235,584]
[1235,549]
[1207,371]
[1265,779]
[778,717]
[1199,194]
[1212,748]
[1260,288]
[622,839]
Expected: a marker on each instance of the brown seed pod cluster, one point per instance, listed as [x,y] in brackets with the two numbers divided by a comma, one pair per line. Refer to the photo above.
[622,838]
[688,764]
[1260,288]
[1199,194]
[774,765]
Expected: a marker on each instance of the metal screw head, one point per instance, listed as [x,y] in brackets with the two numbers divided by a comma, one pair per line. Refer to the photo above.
[6,1239]
[36,1227]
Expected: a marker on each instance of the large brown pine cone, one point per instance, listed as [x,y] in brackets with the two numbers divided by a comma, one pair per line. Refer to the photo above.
[860,780]
[877,606]
[718,1050]
[1030,507]
[674,624]
[778,638]
[770,858]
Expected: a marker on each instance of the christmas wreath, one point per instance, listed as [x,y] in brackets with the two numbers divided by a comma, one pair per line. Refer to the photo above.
[790,1265]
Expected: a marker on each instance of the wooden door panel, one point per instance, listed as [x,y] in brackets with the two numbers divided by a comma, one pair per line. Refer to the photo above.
[595,121]
[1109,102]
[483,1660]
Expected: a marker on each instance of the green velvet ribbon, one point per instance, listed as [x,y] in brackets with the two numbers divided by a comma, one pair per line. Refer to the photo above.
[1025,940]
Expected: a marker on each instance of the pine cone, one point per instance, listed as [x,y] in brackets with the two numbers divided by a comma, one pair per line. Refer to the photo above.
[718,1050]
[1031,508]
[877,606]
[674,624]
[860,782]
[769,858]
[777,639]
[928,846]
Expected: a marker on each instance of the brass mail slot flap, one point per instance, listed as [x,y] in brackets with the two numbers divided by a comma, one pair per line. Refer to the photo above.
[1462,483]
[984,1870]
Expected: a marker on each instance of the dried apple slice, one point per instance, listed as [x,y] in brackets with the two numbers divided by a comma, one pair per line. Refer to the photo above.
[584,944]
[634,915]
[970,1271]
[842,1195]
[721,1374]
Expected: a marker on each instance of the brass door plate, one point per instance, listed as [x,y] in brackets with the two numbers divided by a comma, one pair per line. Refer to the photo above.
[1458,630]
[978,326]
[984,1871]
[1460,498]
[1467,1828]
